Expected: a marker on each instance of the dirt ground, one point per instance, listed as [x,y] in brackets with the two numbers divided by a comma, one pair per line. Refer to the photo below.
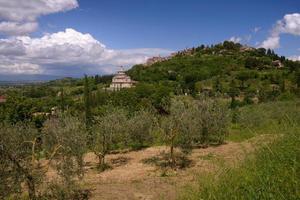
[132,179]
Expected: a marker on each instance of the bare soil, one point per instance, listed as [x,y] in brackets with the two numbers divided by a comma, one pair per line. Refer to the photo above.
[131,179]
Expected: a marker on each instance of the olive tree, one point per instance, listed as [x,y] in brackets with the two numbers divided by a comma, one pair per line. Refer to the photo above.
[178,126]
[139,127]
[109,131]
[211,119]
[69,135]
[19,160]
[192,122]
[26,155]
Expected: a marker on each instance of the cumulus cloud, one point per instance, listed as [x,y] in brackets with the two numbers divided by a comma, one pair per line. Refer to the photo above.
[290,24]
[235,39]
[67,52]
[271,42]
[9,47]
[20,17]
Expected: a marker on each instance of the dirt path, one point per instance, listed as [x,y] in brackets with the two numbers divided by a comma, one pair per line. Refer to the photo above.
[131,179]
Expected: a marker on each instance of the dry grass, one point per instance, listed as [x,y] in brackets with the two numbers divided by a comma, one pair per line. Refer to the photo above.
[130,178]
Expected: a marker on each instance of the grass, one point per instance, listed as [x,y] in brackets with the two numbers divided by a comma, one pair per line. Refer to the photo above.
[265,118]
[273,172]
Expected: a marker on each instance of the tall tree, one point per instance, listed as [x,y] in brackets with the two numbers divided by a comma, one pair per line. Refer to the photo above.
[87,102]
[62,100]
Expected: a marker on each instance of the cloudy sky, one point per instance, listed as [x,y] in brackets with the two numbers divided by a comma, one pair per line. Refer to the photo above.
[73,37]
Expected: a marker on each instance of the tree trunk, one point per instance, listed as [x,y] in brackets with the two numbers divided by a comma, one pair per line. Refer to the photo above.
[101,158]
[31,187]
[172,155]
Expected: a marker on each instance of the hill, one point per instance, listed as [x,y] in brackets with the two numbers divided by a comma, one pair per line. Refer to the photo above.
[225,68]
[238,74]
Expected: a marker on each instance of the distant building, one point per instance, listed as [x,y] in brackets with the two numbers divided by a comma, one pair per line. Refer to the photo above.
[278,64]
[2,99]
[121,80]
[246,48]
[153,60]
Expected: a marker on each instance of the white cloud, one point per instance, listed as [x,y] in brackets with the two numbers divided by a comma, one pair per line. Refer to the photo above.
[30,10]
[271,42]
[290,24]
[16,28]
[20,17]
[235,39]
[68,52]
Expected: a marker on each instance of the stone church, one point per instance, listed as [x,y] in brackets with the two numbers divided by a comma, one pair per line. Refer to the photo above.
[121,80]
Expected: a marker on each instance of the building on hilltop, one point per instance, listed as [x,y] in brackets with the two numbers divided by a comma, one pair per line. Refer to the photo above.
[2,99]
[153,60]
[121,80]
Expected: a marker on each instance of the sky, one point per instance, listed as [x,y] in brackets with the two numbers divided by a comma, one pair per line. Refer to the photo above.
[76,37]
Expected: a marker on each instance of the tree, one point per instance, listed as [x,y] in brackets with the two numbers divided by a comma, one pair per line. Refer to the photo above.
[26,155]
[193,122]
[218,85]
[261,51]
[69,133]
[211,118]
[62,100]
[297,75]
[139,129]
[18,160]
[269,52]
[109,133]
[87,102]
[172,128]
[252,63]
[233,92]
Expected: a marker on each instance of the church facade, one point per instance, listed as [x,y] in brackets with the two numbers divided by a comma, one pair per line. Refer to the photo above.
[121,80]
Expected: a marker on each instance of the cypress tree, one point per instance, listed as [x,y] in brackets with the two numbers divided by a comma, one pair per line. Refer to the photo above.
[62,100]
[87,102]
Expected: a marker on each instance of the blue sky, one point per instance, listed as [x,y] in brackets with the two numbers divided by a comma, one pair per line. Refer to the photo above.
[174,24]
[129,32]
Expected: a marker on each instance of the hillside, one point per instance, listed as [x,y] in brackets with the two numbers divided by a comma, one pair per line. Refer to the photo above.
[223,68]
[237,74]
